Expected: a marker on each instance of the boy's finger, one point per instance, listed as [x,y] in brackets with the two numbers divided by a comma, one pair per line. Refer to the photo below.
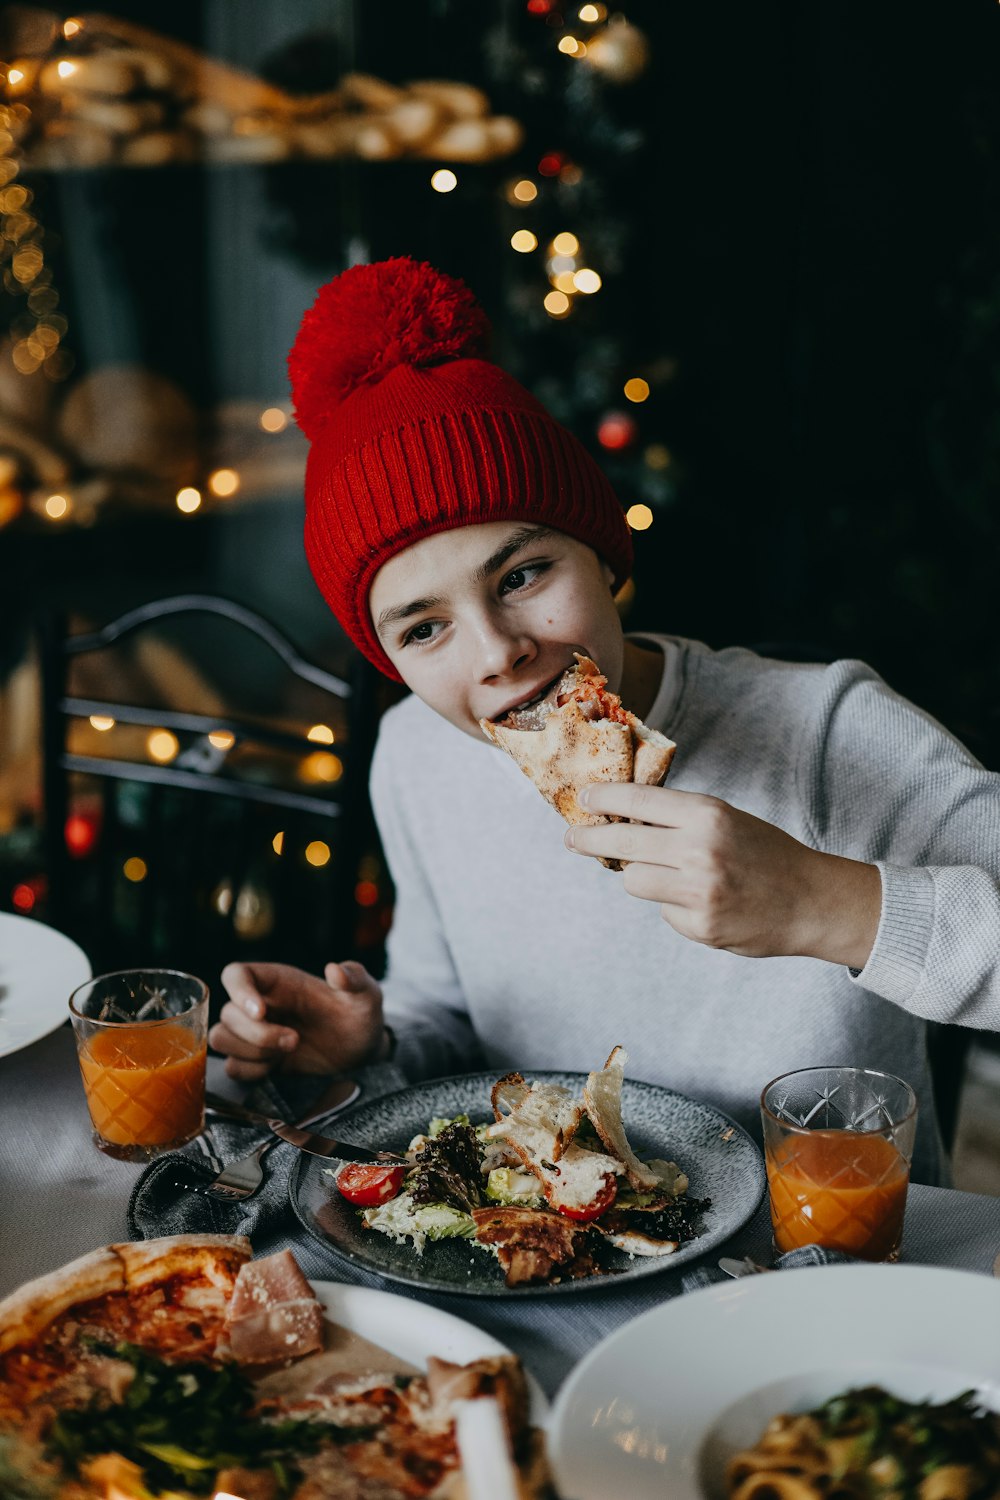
[249,1072]
[349,975]
[643,804]
[238,982]
[236,1032]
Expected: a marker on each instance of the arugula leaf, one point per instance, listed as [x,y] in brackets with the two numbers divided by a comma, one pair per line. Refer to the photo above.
[183,1422]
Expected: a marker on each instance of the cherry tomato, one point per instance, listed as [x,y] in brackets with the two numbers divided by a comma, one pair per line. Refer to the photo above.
[594,1209]
[367,1186]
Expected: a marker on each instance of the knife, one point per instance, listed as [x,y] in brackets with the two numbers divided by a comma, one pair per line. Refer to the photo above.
[304,1140]
[341,1093]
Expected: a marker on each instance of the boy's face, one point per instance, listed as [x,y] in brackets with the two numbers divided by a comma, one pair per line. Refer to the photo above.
[481,619]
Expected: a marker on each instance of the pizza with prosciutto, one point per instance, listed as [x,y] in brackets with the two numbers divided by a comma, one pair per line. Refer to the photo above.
[181,1367]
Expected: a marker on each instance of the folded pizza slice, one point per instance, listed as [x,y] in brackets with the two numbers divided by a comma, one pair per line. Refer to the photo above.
[577,734]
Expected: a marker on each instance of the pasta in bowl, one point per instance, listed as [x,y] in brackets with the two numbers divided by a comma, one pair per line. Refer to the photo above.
[665,1404]
[869,1444]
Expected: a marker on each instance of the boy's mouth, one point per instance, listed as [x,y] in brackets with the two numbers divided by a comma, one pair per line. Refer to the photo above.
[544,693]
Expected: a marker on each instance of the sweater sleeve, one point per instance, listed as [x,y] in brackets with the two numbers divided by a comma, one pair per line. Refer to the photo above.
[424,1004]
[884,782]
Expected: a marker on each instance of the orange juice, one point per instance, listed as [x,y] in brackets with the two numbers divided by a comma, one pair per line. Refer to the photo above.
[145,1084]
[841,1189]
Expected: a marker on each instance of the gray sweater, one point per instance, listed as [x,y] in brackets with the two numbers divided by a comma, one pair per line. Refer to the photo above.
[508,950]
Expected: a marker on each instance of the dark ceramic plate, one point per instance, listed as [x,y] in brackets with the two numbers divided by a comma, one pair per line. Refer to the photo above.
[720,1159]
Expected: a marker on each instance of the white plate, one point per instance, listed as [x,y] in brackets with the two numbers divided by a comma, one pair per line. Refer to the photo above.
[657,1408]
[39,969]
[411,1330]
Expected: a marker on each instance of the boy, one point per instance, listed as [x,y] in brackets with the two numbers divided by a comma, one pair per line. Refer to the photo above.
[812,819]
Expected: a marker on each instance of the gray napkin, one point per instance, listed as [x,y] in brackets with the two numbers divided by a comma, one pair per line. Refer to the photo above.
[163,1201]
[805,1255]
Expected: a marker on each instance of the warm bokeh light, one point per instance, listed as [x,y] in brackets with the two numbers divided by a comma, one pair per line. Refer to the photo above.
[572,46]
[135,869]
[559,263]
[444,180]
[639,517]
[101,722]
[320,734]
[318,853]
[636,389]
[188,499]
[15,76]
[524,191]
[274,419]
[22,898]
[162,745]
[524,241]
[616,430]
[278,842]
[592,13]
[565,243]
[80,834]
[587,281]
[557,304]
[224,482]
[71,26]
[563,282]
[366,893]
[657,456]
[222,739]
[321,766]
[56,507]
[66,69]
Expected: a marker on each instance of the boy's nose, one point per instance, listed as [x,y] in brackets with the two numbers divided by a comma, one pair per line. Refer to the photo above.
[499,651]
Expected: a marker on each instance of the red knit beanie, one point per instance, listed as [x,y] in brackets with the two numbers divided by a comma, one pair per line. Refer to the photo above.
[414,430]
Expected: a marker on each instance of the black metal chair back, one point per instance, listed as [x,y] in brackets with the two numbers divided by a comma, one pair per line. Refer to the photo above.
[230,834]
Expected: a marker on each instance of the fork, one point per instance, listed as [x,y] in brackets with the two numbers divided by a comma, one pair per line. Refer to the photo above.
[243,1177]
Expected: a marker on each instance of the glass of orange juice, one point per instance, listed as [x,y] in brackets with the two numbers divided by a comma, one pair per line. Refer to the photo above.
[141,1037]
[837,1146]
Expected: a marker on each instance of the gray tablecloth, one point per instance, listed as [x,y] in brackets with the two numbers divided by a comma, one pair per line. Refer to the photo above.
[59,1197]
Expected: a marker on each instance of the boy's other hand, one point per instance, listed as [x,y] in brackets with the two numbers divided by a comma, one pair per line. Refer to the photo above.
[280,1016]
[730,880]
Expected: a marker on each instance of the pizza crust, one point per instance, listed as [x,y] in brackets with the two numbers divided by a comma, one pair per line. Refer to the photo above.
[28,1312]
[217,1257]
[34,1307]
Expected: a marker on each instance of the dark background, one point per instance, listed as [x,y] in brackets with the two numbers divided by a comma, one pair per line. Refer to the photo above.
[796,214]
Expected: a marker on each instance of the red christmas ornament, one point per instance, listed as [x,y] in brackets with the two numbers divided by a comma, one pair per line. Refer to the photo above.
[28,893]
[80,832]
[617,430]
[22,898]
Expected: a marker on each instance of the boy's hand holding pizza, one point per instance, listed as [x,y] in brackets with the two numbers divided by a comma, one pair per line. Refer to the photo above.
[730,880]
[279,1015]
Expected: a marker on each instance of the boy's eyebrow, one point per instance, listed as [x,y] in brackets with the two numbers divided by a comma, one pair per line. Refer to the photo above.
[507,549]
[514,543]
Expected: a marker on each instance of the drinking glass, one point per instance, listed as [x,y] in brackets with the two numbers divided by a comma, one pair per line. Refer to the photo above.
[837,1146]
[141,1037]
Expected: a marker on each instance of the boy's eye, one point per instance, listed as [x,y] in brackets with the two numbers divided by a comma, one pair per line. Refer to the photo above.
[420,633]
[519,578]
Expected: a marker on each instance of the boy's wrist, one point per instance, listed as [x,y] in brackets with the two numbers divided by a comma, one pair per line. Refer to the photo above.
[846,903]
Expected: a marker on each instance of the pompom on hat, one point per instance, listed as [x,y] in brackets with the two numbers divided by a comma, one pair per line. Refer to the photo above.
[414,430]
